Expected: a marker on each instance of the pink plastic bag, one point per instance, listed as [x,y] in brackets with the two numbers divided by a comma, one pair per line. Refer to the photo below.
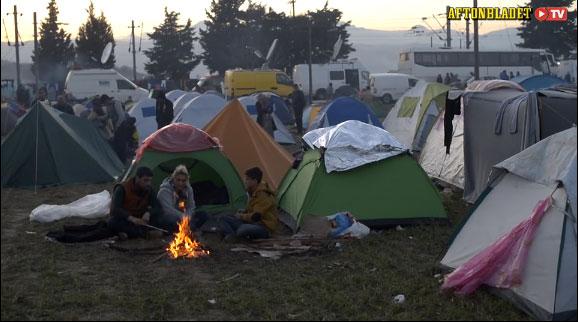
[501,264]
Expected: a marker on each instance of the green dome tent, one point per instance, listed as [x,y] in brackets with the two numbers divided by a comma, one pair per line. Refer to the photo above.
[389,191]
[216,184]
[65,149]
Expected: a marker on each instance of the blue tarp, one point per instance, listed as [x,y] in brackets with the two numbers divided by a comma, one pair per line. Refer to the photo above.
[537,82]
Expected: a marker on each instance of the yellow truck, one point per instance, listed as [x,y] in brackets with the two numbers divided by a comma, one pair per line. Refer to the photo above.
[239,82]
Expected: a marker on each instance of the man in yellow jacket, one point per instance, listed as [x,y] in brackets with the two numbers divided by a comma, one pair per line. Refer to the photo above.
[260,219]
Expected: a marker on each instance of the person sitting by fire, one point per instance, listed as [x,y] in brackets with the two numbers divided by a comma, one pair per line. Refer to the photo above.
[134,204]
[260,218]
[177,200]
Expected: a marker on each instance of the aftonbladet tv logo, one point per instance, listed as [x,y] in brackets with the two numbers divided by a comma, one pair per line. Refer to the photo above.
[551,14]
[508,13]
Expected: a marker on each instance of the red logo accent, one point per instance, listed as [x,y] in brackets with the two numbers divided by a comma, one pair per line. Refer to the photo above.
[551,14]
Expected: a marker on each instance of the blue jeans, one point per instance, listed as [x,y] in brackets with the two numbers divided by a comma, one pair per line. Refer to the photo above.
[171,222]
[232,225]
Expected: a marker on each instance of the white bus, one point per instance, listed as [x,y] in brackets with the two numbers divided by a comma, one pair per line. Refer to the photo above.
[429,63]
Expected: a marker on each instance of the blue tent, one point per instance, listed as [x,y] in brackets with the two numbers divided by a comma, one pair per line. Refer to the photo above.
[537,82]
[280,108]
[344,109]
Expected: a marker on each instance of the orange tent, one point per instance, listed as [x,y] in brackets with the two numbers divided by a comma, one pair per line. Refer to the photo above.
[247,145]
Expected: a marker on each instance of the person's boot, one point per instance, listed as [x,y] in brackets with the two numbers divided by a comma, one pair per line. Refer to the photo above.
[154,234]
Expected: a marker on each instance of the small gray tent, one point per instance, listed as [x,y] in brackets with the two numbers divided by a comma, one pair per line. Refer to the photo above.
[501,123]
[548,286]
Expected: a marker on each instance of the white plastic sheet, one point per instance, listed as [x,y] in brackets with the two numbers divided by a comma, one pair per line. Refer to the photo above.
[90,206]
[352,144]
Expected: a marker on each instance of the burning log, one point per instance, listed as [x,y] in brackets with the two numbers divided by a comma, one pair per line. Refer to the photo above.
[184,243]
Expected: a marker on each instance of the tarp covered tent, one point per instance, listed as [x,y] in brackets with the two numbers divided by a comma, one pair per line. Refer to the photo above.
[247,145]
[548,286]
[174,94]
[70,150]
[281,133]
[538,81]
[200,110]
[179,103]
[413,115]
[215,182]
[144,111]
[501,123]
[385,191]
[343,109]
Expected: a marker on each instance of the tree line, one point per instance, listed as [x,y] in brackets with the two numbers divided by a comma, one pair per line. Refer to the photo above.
[237,38]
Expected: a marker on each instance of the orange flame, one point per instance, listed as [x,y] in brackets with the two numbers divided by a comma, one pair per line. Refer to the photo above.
[184,245]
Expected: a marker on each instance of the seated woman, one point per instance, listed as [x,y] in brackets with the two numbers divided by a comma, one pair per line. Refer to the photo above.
[177,200]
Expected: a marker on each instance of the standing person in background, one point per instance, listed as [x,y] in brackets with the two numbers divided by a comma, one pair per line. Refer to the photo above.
[440,79]
[63,106]
[330,91]
[298,103]
[511,74]
[164,109]
[264,114]
[41,96]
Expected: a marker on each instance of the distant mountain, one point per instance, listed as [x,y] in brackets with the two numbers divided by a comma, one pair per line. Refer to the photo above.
[378,50]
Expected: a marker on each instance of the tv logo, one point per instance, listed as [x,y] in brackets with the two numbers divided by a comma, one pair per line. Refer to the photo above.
[551,14]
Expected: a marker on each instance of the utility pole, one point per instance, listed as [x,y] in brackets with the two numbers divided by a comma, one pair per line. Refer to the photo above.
[292,2]
[310,70]
[17,44]
[37,63]
[133,54]
[476,47]
[467,33]
[448,28]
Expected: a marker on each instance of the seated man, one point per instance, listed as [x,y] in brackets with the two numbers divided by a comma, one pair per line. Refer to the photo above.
[133,205]
[177,200]
[260,219]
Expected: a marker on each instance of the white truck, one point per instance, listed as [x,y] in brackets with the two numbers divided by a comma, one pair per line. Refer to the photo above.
[389,87]
[90,82]
[339,73]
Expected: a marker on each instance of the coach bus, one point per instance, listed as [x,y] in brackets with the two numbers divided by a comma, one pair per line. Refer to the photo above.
[429,63]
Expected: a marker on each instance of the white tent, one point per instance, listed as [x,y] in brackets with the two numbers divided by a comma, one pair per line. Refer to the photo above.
[433,158]
[179,103]
[201,110]
[415,112]
[175,94]
[548,287]
[144,111]
[282,134]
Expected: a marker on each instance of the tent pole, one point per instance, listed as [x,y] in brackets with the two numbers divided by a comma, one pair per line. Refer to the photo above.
[36,152]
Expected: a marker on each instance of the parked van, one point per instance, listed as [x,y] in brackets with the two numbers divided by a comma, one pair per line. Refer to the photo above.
[349,72]
[239,82]
[390,86]
[90,82]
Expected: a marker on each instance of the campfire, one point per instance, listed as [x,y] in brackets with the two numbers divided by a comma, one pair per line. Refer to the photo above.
[184,243]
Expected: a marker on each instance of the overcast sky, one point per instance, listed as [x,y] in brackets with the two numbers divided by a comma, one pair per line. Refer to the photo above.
[371,14]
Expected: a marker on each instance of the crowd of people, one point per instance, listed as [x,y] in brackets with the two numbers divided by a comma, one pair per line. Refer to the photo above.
[106,113]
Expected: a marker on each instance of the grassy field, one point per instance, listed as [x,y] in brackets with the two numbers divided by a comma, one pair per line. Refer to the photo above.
[43,280]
